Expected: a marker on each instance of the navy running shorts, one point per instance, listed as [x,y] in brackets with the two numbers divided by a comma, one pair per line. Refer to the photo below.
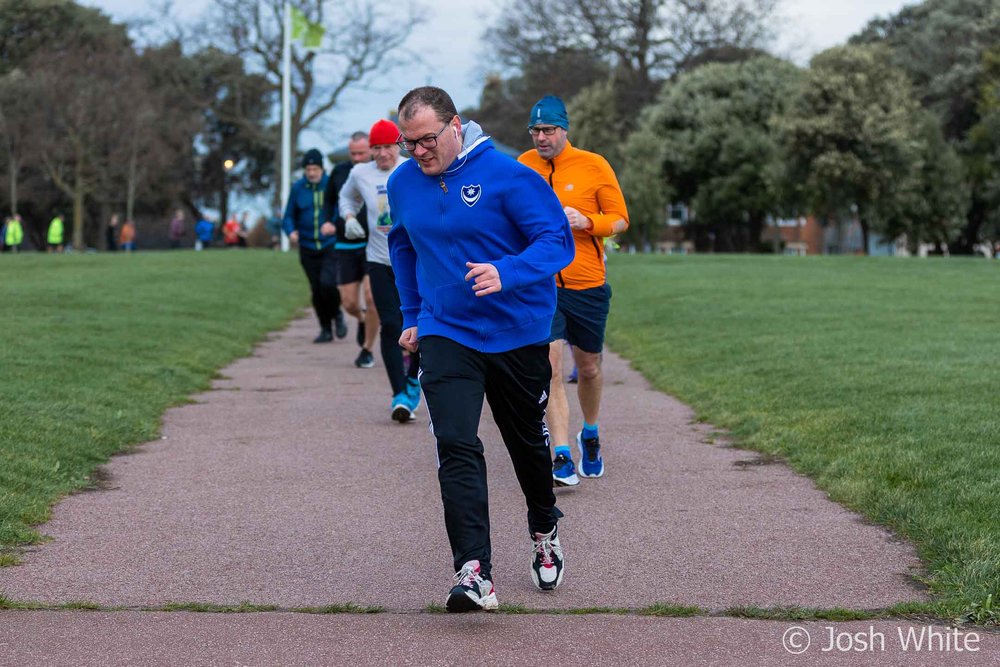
[581,316]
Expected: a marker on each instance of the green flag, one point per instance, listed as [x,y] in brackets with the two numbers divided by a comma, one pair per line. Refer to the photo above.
[304,30]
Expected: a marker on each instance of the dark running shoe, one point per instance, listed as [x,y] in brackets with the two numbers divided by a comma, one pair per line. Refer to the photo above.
[365,359]
[341,325]
[471,592]
[547,560]
[325,336]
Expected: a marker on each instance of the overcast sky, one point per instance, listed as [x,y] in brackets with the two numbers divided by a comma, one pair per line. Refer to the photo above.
[453,57]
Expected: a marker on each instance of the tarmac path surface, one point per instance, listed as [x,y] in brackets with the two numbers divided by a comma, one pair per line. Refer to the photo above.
[287,484]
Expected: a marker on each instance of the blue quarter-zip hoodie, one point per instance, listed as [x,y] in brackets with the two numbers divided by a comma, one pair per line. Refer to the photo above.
[306,212]
[485,208]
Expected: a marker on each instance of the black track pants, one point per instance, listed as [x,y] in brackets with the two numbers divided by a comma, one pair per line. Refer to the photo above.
[321,270]
[516,384]
[383,282]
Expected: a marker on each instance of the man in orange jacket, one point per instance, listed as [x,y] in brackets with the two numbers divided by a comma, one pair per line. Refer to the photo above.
[595,208]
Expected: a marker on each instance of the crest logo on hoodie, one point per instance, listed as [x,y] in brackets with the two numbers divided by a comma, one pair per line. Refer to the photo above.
[471,194]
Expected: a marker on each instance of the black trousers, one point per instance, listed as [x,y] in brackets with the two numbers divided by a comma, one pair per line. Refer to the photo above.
[321,270]
[516,384]
[383,282]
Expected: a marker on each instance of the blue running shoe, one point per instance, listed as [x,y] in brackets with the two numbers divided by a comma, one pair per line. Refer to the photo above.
[401,411]
[564,472]
[413,393]
[591,462]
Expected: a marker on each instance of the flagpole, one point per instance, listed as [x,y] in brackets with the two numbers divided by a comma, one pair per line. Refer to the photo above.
[286,114]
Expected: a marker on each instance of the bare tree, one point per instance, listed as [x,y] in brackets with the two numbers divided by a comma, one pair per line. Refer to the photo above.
[81,119]
[18,123]
[644,40]
[362,37]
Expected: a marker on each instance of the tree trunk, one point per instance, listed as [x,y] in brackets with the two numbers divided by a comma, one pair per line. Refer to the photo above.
[224,201]
[864,235]
[78,193]
[12,165]
[131,187]
[276,202]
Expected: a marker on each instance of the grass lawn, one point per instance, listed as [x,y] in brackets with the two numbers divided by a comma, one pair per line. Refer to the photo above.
[96,347]
[879,378]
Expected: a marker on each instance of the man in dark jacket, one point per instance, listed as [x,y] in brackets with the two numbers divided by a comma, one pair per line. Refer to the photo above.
[308,221]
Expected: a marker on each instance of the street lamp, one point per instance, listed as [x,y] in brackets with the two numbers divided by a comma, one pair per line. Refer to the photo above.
[227,168]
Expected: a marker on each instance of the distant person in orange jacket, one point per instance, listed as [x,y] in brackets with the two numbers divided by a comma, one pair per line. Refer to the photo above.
[127,238]
[595,208]
[231,233]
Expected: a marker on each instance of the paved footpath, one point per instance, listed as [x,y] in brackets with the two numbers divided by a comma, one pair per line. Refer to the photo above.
[288,485]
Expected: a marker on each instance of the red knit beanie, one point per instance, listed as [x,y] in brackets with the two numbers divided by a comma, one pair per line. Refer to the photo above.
[383,132]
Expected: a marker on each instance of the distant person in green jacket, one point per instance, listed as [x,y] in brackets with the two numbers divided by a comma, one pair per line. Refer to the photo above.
[13,235]
[56,234]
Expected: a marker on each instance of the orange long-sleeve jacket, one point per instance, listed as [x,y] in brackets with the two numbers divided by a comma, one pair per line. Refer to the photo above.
[586,182]
[127,234]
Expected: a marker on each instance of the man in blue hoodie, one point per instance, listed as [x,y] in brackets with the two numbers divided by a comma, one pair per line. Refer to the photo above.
[308,222]
[485,235]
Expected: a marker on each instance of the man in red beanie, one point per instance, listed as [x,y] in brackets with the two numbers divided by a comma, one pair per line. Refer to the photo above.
[367,186]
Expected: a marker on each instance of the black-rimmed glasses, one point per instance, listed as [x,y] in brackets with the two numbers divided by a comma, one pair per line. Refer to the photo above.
[548,130]
[430,141]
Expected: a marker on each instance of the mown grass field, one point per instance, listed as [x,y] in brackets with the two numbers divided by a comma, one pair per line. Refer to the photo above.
[879,378]
[96,347]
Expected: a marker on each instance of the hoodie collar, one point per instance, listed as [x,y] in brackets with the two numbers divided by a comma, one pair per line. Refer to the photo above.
[474,142]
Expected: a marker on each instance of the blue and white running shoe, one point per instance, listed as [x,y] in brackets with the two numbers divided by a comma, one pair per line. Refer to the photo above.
[564,472]
[591,462]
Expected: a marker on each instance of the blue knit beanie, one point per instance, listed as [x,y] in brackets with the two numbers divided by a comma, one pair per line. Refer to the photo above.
[549,110]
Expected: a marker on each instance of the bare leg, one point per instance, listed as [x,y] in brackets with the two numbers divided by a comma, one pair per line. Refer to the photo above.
[371,316]
[557,414]
[590,383]
[349,294]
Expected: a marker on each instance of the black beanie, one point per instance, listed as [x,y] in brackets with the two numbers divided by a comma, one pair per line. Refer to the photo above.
[312,156]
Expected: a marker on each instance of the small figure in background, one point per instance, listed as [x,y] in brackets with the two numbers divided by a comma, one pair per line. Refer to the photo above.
[274,229]
[241,233]
[13,233]
[204,231]
[56,234]
[231,233]
[177,231]
[111,234]
[127,238]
